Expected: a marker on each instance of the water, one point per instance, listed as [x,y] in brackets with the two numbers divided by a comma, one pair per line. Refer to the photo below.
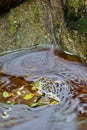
[18,68]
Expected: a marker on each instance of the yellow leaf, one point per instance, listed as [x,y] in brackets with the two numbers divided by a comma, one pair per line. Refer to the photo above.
[11,95]
[28,96]
[54,102]
[33,88]
[18,93]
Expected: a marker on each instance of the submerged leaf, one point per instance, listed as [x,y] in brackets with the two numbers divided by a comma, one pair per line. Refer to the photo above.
[32,105]
[18,93]
[54,102]
[5,94]
[28,96]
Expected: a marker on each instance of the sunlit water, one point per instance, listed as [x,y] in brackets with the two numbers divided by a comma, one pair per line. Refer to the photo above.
[70,114]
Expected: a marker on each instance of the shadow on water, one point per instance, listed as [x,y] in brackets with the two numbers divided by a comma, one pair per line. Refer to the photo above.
[19,68]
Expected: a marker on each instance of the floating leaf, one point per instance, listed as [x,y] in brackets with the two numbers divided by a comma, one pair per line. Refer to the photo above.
[28,96]
[5,94]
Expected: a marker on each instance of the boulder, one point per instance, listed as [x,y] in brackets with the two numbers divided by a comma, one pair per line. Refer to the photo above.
[40,22]
[30,23]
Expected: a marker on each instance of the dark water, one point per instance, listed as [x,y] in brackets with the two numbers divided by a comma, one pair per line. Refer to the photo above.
[70,114]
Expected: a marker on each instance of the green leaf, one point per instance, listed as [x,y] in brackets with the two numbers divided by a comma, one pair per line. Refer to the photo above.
[28,96]
[5,94]
[32,105]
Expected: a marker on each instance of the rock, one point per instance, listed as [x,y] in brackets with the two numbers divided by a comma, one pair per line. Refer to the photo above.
[42,22]
[6,4]
[73,42]
[30,23]
[74,36]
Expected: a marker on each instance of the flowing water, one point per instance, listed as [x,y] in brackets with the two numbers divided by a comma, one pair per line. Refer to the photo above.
[20,67]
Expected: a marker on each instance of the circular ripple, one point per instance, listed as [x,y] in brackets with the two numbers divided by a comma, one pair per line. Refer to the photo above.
[40,62]
[43,63]
[28,64]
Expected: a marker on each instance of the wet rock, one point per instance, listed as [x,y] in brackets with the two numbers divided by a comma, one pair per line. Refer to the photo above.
[73,42]
[74,32]
[42,22]
[29,24]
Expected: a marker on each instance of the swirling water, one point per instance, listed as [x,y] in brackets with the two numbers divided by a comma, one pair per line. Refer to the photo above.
[70,114]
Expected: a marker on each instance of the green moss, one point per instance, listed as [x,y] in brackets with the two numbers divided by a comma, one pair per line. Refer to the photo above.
[12,29]
[82,27]
[74,8]
[13,26]
[72,24]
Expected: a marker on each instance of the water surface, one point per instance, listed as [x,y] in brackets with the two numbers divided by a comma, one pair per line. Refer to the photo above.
[18,68]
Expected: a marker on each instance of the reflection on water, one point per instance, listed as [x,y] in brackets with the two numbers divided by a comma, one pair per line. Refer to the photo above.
[20,67]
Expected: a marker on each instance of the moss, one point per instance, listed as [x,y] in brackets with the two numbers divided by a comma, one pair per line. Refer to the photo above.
[74,15]
[36,13]
[12,30]
[73,24]
[74,8]
[12,25]
[82,27]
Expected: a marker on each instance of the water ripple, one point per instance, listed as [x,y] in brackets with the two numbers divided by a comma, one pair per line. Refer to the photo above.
[52,64]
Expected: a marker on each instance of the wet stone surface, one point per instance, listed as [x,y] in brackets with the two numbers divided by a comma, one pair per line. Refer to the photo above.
[42,88]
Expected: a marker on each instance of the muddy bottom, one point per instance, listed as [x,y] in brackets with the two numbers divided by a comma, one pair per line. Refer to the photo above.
[42,89]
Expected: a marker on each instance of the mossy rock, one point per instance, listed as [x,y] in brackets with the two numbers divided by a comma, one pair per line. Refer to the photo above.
[80,25]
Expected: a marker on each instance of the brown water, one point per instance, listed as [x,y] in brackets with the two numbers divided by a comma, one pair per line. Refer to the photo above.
[18,68]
